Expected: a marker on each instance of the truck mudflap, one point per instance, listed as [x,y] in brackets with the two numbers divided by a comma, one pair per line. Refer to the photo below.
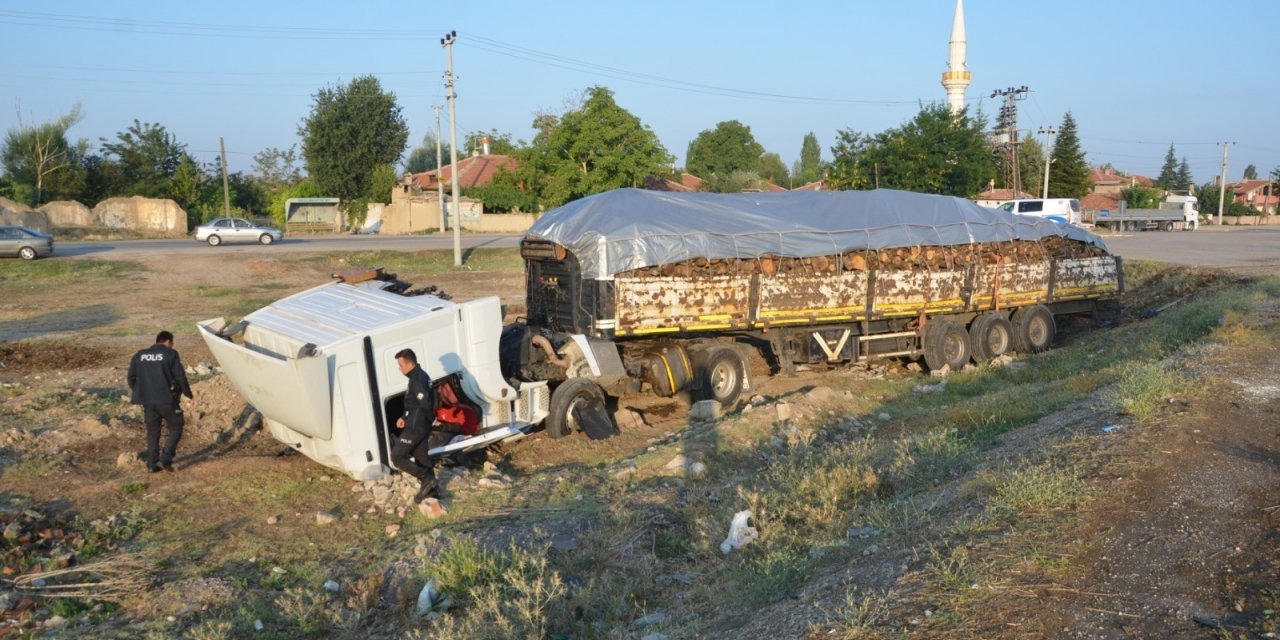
[481,440]
[292,391]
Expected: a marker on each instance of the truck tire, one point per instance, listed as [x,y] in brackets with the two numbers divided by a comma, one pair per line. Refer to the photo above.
[1033,329]
[1166,226]
[1191,225]
[720,374]
[574,393]
[990,336]
[946,344]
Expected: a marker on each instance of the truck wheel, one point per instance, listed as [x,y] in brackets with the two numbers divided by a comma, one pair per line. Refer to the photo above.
[571,396]
[1033,329]
[1191,225]
[946,343]
[1166,226]
[990,336]
[721,373]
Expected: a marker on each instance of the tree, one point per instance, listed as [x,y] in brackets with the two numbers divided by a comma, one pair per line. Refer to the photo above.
[1168,178]
[935,152]
[772,169]
[1140,197]
[727,148]
[503,194]
[350,132]
[38,154]
[810,169]
[1207,196]
[1068,171]
[1250,173]
[1184,181]
[276,167]
[500,144]
[423,157]
[595,148]
[148,157]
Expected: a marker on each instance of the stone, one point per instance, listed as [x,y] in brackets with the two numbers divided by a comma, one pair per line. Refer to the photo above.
[884,416]
[678,462]
[273,520]
[864,532]
[393,529]
[564,542]
[128,460]
[705,411]
[257,624]
[12,531]
[942,372]
[331,586]
[56,622]
[432,509]
[870,550]
[657,617]
[325,517]
[624,472]
[13,213]
[1000,361]
[784,411]
[68,213]
[143,214]
[8,601]
[758,400]
[819,394]
[326,478]
[696,470]
[915,367]
[630,418]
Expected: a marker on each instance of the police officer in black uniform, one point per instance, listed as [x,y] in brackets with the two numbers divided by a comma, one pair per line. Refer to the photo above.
[409,453]
[157,382]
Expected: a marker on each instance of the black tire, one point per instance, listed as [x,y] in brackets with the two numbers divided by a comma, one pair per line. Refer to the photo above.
[990,336]
[946,343]
[721,374]
[1166,226]
[1033,329]
[570,394]
[213,240]
[27,253]
[265,239]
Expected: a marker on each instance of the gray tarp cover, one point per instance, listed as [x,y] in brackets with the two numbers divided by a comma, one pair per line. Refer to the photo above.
[627,229]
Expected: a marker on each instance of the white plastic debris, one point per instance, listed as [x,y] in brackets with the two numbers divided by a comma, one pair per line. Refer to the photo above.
[740,533]
[431,601]
[1109,428]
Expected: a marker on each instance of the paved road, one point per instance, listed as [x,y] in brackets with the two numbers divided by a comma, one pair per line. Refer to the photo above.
[1246,249]
[292,244]
[1249,249]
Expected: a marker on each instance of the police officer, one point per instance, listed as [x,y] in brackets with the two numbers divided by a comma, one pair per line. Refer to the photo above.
[157,382]
[410,450]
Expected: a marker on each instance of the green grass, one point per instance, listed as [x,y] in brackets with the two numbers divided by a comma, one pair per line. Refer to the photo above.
[420,263]
[62,270]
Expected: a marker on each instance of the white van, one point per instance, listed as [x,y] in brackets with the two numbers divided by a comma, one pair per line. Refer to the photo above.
[1061,210]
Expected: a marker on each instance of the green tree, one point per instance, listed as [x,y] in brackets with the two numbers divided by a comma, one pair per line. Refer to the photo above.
[848,170]
[810,160]
[935,152]
[277,167]
[305,188]
[1168,178]
[1207,197]
[503,194]
[500,144]
[350,132]
[727,148]
[1140,197]
[1068,171]
[1250,173]
[772,169]
[39,156]
[594,148]
[1184,181]
[148,157]
[422,158]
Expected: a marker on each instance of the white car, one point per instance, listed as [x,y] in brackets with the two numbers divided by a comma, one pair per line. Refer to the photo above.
[220,230]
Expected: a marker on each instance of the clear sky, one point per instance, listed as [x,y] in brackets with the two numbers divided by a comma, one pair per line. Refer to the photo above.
[1136,74]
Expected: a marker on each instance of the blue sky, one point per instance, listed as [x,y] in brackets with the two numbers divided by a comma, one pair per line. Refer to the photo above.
[1137,75]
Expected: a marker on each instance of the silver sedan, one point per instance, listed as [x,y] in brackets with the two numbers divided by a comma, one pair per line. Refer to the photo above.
[25,243]
[220,230]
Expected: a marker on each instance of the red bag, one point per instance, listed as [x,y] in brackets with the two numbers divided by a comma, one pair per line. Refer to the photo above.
[461,417]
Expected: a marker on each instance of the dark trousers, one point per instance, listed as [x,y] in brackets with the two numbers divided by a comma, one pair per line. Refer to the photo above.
[171,414]
[409,452]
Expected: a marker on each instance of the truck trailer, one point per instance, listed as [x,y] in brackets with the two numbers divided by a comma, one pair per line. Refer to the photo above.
[1177,212]
[635,291]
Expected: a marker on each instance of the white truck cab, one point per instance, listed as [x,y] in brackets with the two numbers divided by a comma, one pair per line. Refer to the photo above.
[1060,210]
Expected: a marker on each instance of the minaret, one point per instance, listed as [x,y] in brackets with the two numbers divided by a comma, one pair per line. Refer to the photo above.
[956,78]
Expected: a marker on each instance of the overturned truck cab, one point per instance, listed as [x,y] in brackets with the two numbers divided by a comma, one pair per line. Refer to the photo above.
[320,367]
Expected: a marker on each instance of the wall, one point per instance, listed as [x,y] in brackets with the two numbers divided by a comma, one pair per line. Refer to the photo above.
[143,214]
[69,213]
[501,223]
[13,213]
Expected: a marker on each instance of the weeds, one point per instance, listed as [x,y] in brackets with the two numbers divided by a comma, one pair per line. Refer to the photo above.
[1035,490]
[55,271]
[857,619]
[951,572]
[1141,388]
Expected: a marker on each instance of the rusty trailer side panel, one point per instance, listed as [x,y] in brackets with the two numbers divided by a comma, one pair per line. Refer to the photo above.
[1010,284]
[908,293]
[803,298]
[1085,278]
[670,304]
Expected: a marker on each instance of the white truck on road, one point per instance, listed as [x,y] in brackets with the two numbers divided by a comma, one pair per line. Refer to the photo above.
[1176,212]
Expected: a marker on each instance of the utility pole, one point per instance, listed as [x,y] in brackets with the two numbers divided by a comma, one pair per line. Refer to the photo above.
[439,168]
[1009,116]
[226,191]
[1222,186]
[1048,146]
[447,42]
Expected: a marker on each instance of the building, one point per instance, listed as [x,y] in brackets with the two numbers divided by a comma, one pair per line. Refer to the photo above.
[957,77]
[474,171]
[1262,195]
[1106,180]
[996,197]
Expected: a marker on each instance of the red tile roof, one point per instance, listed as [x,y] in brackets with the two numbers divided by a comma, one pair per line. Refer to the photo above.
[473,171]
[820,185]
[1002,195]
[1096,201]
[688,182]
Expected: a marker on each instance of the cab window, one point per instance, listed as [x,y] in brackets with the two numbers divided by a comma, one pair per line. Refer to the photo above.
[1031,206]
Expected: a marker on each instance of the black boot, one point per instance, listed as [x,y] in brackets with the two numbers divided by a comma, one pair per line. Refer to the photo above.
[429,489]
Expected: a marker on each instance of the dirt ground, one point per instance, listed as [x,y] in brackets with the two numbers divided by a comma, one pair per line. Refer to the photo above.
[1186,543]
